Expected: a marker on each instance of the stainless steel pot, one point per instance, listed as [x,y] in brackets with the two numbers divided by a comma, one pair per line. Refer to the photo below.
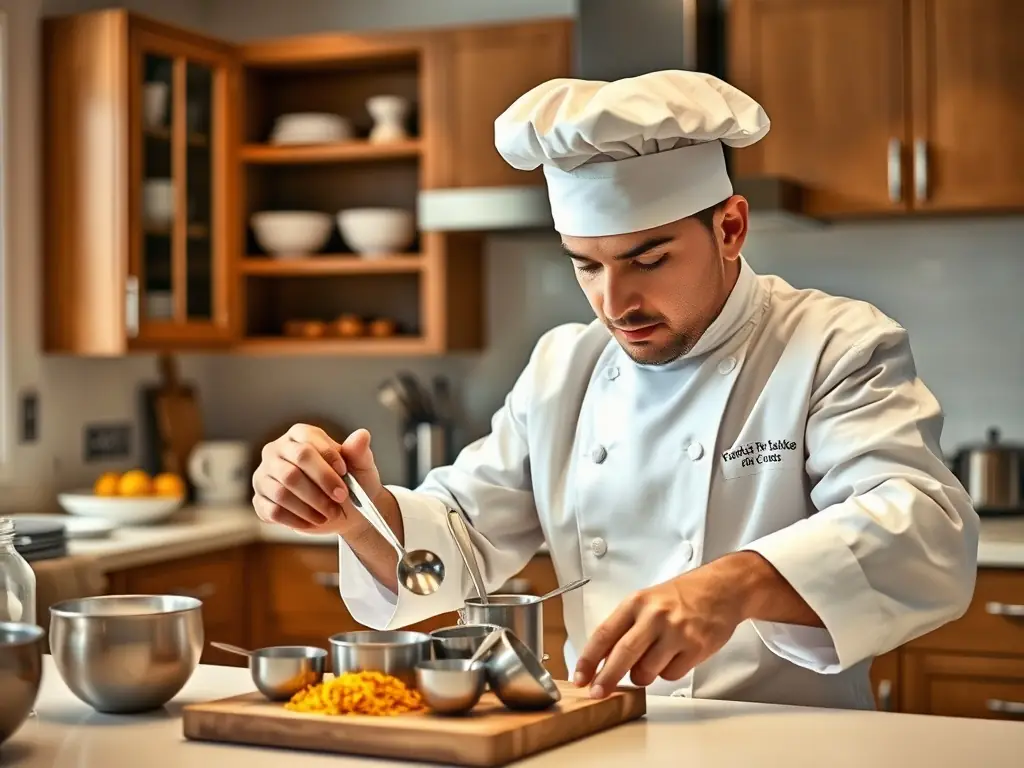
[993,474]
[522,614]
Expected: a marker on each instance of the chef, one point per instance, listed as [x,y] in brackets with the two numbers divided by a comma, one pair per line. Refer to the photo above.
[748,473]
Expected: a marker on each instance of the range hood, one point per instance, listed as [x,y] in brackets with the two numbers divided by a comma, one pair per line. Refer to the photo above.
[616,39]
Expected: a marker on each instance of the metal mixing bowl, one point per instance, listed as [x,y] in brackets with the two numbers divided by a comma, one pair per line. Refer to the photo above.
[282,671]
[126,653]
[21,670]
[395,653]
[461,641]
[450,686]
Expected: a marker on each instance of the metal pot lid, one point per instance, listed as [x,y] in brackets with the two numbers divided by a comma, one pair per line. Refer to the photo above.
[993,442]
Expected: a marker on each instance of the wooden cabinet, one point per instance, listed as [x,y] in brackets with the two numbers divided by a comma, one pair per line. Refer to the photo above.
[883,107]
[138,136]
[219,579]
[160,150]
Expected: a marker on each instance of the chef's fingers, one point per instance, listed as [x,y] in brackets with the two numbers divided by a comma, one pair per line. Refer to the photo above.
[308,459]
[602,641]
[679,666]
[627,652]
[270,511]
[356,453]
[657,657]
[287,471]
[328,448]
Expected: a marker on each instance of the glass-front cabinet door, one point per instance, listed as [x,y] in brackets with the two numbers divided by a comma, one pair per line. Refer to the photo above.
[180,121]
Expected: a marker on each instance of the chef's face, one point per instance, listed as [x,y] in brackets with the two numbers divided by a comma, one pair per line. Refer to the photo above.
[658,290]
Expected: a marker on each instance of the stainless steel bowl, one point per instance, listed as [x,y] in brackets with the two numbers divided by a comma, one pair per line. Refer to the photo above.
[450,686]
[516,675]
[21,670]
[461,641]
[282,671]
[393,652]
[126,653]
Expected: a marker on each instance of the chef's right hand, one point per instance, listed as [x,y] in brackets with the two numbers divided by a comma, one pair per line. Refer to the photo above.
[298,482]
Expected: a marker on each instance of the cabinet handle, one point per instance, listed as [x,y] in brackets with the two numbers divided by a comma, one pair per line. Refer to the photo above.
[131,309]
[895,170]
[1004,609]
[201,592]
[1009,707]
[921,169]
[885,695]
[327,580]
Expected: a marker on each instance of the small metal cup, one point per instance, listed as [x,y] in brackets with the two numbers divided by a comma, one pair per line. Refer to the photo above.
[450,686]
[394,653]
[522,614]
[460,641]
[282,671]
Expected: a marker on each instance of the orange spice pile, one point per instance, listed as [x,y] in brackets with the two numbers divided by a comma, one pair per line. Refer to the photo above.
[359,693]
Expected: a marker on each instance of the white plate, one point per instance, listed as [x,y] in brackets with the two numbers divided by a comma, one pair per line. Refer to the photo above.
[74,527]
[122,510]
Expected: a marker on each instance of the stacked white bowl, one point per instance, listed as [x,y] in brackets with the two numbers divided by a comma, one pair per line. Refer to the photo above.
[310,128]
[291,234]
[376,232]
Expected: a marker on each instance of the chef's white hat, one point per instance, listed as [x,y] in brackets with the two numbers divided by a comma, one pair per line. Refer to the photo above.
[632,154]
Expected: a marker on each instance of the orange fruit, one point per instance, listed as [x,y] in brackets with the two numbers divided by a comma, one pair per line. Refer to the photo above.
[135,483]
[168,484]
[107,484]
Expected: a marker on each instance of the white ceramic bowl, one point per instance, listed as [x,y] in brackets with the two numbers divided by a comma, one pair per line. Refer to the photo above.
[291,233]
[377,231]
[124,510]
[310,128]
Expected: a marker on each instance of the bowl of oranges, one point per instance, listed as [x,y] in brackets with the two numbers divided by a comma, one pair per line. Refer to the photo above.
[129,498]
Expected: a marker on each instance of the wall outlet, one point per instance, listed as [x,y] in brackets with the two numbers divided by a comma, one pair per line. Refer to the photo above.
[28,417]
[107,441]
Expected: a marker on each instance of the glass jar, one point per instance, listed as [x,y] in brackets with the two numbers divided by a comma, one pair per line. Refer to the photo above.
[17,580]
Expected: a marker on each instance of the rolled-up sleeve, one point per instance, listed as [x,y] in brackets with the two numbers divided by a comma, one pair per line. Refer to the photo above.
[891,552]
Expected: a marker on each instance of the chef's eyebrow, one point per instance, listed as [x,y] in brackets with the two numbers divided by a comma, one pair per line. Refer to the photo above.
[632,253]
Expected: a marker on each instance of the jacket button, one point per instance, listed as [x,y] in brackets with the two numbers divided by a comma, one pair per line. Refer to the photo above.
[727,365]
[612,373]
[695,451]
[686,550]
[599,454]
[599,546]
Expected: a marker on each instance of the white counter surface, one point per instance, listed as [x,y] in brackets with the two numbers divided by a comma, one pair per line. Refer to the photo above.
[196,530]
[69,734]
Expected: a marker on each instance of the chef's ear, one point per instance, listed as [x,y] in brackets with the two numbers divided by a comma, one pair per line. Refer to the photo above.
[731,223]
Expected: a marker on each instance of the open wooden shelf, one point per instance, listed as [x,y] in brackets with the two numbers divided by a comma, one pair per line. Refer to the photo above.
[331,265]
[345,151]
[364,345]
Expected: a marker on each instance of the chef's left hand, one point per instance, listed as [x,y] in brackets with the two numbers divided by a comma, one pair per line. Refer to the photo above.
[666,630]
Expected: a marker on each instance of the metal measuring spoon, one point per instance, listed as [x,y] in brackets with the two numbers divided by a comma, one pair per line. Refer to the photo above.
[561,590]
[457,526]
[420,571]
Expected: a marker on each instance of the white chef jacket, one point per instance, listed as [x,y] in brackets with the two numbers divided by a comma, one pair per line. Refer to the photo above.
[796,428]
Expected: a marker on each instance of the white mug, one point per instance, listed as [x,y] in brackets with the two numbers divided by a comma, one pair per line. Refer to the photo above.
[219,469]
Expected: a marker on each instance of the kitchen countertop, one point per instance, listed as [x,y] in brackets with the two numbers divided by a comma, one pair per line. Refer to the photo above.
[196,530]
[67,732]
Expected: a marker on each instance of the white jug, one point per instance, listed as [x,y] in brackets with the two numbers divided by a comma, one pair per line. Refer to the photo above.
[220,471]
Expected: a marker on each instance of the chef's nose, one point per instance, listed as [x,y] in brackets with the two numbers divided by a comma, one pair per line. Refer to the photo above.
[620,298]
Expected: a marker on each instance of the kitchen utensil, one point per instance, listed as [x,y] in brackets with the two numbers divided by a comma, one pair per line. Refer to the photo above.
[515,673]
[430,449]
[220,471]
[460,641]
[279,672]
[21,670]
[121,510]
[562,590]
[491,736]
[422,407]
[419,571]
[126,653]
[450,686]
[460,532]
[377,232]
[394,652]
[178,417]
[993,474]
[523,615]
[291,234]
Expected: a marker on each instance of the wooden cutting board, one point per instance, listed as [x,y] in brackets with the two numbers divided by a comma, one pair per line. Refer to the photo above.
[178,419]
[490,735]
